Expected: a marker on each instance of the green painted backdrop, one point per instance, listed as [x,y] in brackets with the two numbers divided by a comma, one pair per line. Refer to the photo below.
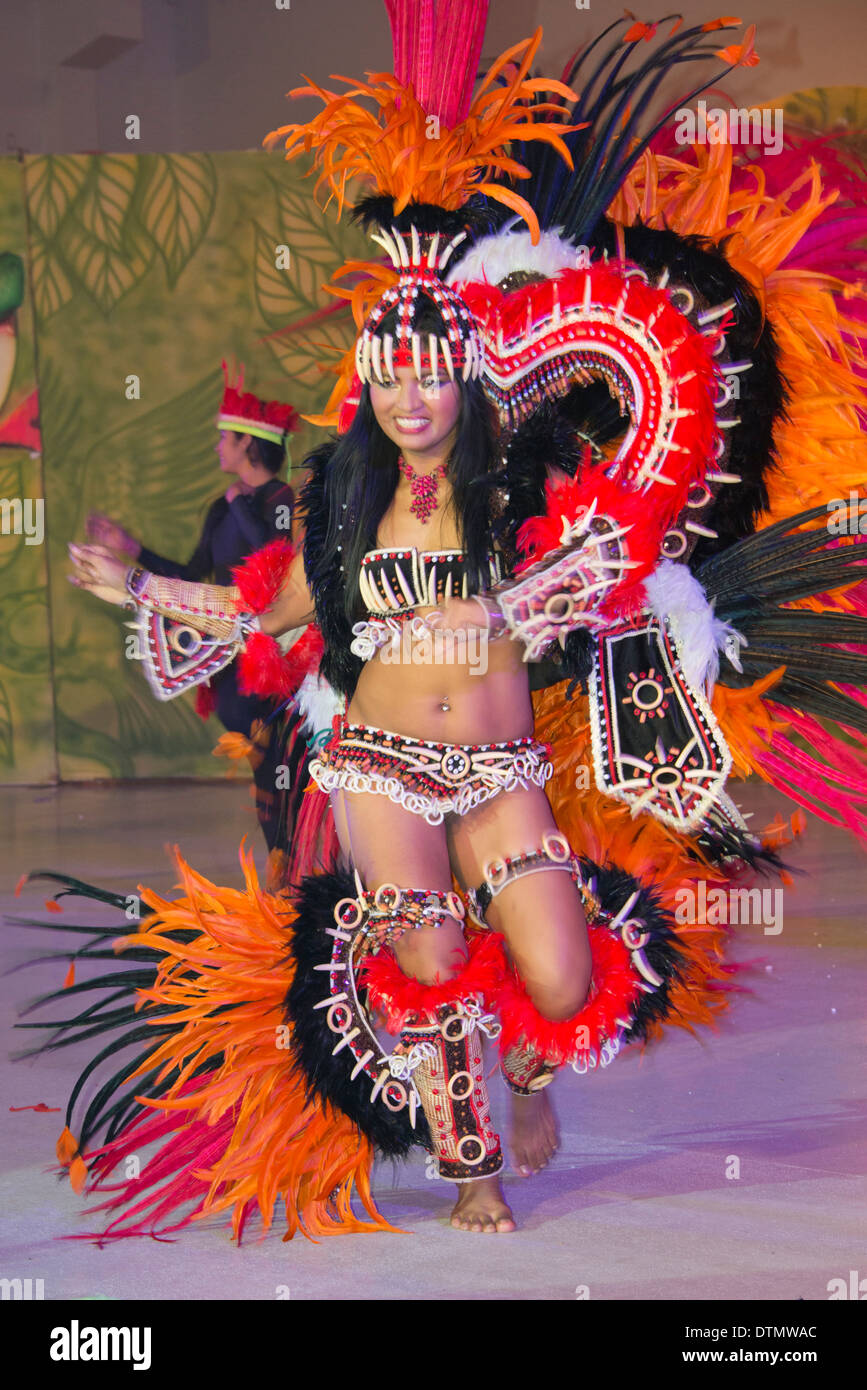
[154,267]
[27,726]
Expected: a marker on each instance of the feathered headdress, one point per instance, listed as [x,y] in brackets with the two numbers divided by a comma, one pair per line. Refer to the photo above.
[427,142]
[248,414]
[430,155]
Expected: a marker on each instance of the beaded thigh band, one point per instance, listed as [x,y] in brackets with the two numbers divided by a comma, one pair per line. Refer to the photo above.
[379,918]
[429,779]
[554,853]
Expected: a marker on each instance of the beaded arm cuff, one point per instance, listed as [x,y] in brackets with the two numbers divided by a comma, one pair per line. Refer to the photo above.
[210,608]
[567,587]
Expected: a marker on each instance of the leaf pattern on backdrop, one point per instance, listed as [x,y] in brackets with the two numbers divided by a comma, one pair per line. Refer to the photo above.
[23,616]
[106,198]
[53,183]
[107,275]
[315,231]
[177,206]
[78,739]
[162,471]
[277,298]
[149,261]
[13,488]
[99,220]
[96,675]
[288,298]
[306,357]
[52,286]
[147,726]
[7,756]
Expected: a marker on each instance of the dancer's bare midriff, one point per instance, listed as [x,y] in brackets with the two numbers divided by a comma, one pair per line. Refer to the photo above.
[483,683]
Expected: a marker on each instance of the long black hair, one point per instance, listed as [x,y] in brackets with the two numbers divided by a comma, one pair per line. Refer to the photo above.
[362,475]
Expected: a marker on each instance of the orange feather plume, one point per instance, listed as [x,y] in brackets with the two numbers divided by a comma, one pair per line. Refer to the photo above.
[227,986]
[819,443]
[402,150]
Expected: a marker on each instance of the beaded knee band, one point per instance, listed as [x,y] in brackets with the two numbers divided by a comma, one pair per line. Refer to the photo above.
[554,853]
[380,917]
[525,1070]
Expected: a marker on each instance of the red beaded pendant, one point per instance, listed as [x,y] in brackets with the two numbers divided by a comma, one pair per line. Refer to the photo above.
[423,488]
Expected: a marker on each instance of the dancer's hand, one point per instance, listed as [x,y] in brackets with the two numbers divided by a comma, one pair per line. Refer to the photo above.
[461,614]
[102,531]
[99,572]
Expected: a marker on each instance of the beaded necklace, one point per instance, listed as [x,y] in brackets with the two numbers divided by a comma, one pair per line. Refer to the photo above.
[423,488]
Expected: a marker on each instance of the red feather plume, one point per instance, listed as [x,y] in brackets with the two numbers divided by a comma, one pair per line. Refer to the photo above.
[265,669]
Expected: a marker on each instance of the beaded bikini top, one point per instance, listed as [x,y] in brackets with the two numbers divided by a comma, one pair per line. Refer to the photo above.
[399,580]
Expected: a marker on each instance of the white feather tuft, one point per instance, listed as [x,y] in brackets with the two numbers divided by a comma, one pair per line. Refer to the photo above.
[674,594]
[287,639]
[495,257]
[318,702]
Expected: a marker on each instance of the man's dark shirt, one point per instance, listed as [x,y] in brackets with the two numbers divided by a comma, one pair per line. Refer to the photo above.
[232,531]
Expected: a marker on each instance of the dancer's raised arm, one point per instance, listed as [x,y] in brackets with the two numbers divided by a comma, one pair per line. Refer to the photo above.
[216,609]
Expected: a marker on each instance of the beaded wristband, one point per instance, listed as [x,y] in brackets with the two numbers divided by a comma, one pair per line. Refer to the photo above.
[491,612]
[134,583]
[135,580]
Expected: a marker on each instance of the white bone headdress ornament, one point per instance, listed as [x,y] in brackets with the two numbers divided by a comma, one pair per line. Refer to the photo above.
[418,258]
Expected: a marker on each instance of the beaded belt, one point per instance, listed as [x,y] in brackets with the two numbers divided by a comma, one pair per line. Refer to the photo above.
[429,779]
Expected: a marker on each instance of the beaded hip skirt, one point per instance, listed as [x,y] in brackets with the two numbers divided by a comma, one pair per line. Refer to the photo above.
[429,779]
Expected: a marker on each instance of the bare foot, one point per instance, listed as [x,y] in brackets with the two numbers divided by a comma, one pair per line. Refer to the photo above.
[482,1207]
[534,1136]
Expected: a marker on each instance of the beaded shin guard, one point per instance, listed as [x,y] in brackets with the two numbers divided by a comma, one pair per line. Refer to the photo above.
[441,1028]
[449,1075]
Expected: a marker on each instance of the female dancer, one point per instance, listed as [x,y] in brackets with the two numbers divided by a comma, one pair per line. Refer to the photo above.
[412,478]
[646,565]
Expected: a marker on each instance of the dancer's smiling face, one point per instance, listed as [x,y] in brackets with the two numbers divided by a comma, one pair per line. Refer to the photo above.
[420,417]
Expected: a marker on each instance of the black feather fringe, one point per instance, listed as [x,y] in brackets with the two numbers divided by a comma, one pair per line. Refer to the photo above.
[113,1016]
[614,886]
[618,83]
[338,665]
[328,1077]
[377,210]
[750,585]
